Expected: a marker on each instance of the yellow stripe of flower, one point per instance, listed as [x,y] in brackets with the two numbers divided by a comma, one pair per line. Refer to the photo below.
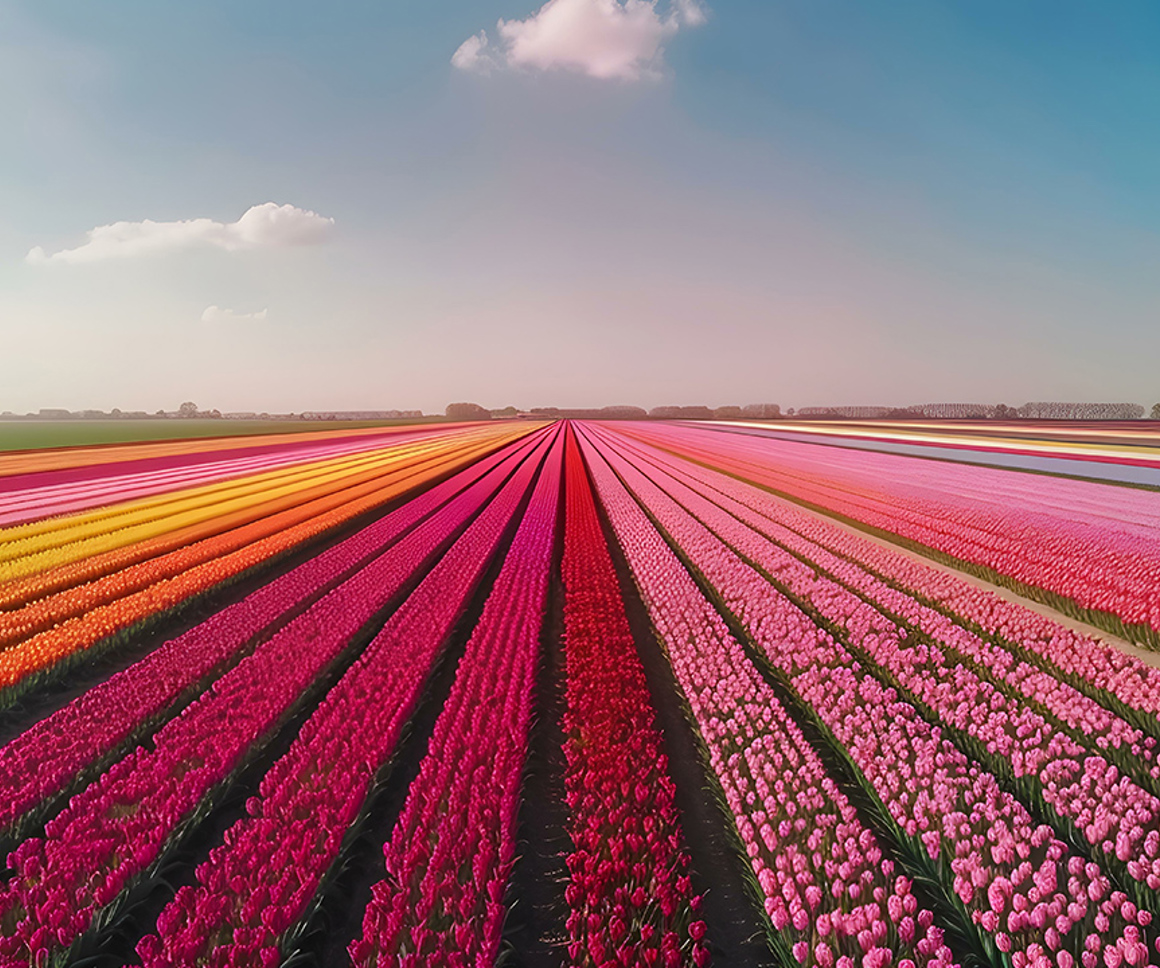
[22,558]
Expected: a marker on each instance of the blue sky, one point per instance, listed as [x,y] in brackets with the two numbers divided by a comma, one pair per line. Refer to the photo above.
[807,202]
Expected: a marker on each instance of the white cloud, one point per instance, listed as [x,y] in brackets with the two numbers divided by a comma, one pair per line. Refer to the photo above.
[215,316]
[262,226]
[606,39]
[470,55]
[691,13]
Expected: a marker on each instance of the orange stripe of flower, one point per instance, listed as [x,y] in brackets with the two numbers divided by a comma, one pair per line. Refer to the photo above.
[23,591]
[74,635]
[134,575]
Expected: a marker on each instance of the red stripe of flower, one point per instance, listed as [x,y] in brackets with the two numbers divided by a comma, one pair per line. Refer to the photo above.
[628,893]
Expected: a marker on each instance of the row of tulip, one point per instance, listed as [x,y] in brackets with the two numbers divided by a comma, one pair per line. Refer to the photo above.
[832,896]
[1015,690]
[151,587]
[53,465]
[1088,549]
[36,603]
[1062,757]
[31,602]
[34,547]
[450,853]
[980,840]
[124,823]
[1117,817]
[256,886]
[23,500]
[59,752]
[30,549]
[628,891]
[1115,679]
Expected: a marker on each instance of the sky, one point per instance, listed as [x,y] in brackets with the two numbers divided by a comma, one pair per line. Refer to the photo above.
[285,206]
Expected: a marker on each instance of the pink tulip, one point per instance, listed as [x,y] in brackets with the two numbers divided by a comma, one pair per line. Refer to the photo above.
[699,511]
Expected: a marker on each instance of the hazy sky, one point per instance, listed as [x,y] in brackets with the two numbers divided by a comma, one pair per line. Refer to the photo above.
[277,205]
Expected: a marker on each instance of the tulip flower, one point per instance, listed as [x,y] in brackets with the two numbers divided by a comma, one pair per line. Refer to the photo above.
[115,830]
[753,744]
[466,817]
[88,579]
[1060,539]
[916,774]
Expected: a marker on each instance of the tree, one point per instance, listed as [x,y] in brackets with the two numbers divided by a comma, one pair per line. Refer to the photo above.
[187,409]
[761,411]
[467,411]
[1156,411]
[617,412]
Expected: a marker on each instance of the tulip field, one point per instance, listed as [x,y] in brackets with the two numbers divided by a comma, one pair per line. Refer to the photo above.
[576,694]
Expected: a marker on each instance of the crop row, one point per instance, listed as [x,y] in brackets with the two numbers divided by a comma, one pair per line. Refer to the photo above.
[110,603]
[1114,679]
[55,754]
[31,549]
[981,843]
[450,853]
[46,466]
[1088,549]
[830,892]
[256,886]
[1055,752]
[37,499]
[911,771]
[629,893]
[121,825]
[92,581]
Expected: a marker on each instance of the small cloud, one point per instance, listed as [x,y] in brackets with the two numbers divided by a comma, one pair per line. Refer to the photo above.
[473,54]
[691,13]
[261,226]
[215,316]
[605,39]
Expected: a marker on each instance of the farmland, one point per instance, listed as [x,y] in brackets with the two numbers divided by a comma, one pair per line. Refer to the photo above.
[31,434]
[574,694]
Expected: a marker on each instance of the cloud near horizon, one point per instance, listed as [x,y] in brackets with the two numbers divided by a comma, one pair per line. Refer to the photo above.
[215,315]
[604,39]
[261,226]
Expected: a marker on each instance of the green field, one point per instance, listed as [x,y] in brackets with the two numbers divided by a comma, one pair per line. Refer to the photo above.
[39,434]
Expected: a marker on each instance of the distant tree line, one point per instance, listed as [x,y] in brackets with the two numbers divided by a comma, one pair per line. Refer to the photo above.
[772,411]
[190,410]
[753,411]
[185,411]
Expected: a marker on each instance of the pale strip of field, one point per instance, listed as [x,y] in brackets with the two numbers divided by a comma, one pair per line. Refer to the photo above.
[1075,442]
[1122,471]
